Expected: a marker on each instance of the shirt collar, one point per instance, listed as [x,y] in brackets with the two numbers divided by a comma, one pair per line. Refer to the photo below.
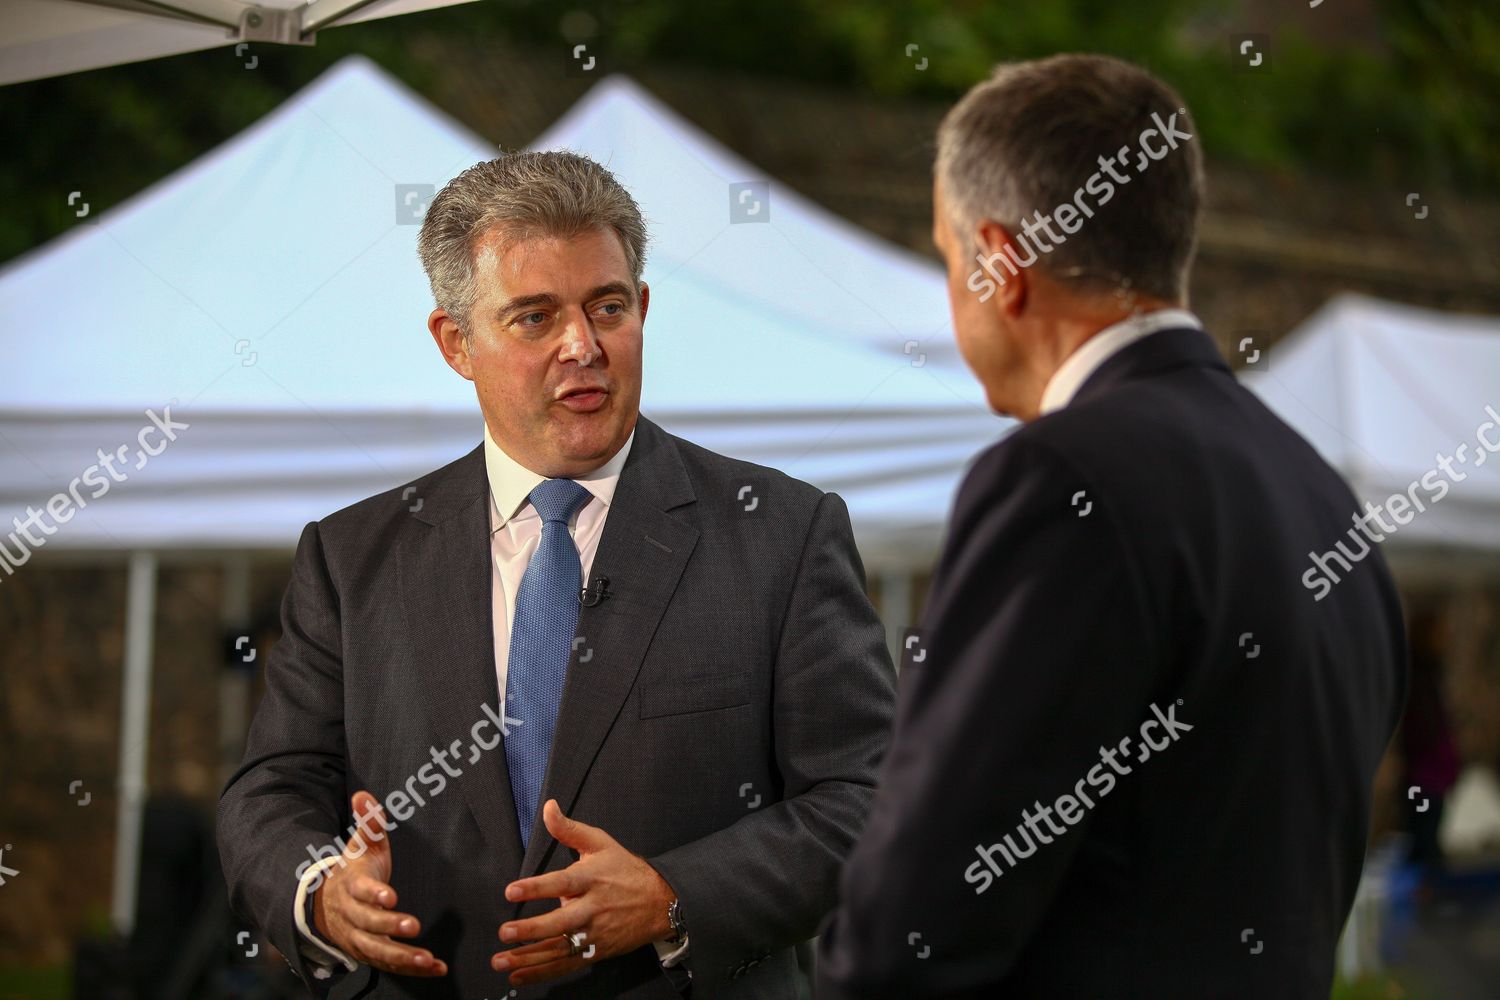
[511,482]
[1083,362]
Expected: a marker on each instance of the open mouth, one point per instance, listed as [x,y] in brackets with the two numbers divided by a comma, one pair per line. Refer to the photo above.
[584,398]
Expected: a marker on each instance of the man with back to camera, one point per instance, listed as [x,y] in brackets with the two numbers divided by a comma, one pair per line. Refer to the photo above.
[1136,759]
[573,667]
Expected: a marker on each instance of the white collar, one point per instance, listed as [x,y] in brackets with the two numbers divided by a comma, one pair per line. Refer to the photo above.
[1083,362]
[511,482]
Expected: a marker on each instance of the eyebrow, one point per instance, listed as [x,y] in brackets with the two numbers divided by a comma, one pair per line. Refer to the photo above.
[610,288]
[548,299]
[525,302]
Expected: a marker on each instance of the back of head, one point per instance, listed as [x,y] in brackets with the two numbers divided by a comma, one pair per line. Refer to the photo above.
[1087,131]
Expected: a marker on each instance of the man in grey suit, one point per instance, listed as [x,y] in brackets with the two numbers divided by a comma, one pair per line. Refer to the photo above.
[590,712]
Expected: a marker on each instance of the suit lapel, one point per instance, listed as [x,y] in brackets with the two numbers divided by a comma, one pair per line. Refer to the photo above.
[642,551]
[446,585]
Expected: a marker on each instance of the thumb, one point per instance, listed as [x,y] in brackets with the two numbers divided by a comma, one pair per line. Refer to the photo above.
[371,828]
[580,836]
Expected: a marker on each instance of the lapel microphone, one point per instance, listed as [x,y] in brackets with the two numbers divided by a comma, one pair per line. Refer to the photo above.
[595,592]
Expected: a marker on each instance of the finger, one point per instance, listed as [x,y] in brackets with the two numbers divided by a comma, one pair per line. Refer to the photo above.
[552,885]
[562,920]
[579,836]
[371,890]
[538,953]
[371,827]
[383,953]
[375,920]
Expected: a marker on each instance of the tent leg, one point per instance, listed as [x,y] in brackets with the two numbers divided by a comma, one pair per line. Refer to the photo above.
[895,609]
[234,684]
[135,725]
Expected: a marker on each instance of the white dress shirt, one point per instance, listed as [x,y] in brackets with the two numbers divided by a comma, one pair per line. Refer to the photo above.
[516,530]
[515,533]
[1083,362]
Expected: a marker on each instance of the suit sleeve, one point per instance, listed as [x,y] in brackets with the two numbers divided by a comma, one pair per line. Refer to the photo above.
[1038,656]
[289,793]
[766,882]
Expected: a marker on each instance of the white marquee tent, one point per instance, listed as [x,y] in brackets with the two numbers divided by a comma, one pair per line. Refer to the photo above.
[1381,390]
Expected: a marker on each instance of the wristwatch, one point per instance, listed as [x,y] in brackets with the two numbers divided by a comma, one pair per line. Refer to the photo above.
[674,916]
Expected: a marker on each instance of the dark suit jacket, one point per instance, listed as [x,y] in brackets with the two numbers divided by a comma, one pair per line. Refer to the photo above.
[1225,862]
[723,717]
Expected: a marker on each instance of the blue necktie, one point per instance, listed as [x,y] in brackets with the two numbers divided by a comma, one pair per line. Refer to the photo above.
[541,644]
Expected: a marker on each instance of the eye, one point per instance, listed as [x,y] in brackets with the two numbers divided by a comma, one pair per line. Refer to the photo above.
[612,309]
[532,319]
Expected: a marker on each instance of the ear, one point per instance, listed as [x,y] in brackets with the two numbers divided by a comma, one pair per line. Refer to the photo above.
[450,340]
[645,300]
[997,244]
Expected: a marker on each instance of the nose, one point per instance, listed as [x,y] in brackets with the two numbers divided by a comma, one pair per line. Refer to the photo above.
[579,342]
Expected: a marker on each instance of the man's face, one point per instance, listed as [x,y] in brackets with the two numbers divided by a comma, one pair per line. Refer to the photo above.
[984,338]
[555,348]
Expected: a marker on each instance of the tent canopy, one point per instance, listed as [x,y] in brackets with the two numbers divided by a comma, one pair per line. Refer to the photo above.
[1382,390]
[52,37]
[270,293]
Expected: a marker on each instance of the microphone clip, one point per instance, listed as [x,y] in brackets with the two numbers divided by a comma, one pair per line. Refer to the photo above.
[595,593]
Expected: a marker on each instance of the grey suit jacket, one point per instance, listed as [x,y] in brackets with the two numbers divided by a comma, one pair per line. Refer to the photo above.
[723,716]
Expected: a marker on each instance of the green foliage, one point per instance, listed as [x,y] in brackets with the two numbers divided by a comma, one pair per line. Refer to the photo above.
[1372,988]
[54,983]
[1413,98]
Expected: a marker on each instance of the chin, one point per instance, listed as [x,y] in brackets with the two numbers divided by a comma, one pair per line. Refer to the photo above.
[588,435]
[1002,407]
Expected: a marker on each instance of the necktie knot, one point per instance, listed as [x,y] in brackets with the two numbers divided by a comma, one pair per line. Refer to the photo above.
[557,499]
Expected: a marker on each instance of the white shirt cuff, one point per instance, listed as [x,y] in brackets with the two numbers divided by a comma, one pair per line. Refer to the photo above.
[322,954]
[670,955]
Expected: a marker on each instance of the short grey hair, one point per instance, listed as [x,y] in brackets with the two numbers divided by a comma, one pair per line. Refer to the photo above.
[527,195]
[1028,138]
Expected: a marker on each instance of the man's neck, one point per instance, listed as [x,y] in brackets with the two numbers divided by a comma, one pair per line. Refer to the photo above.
[1065,333]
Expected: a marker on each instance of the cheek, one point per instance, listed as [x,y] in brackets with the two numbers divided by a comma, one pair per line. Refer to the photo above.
[505,375]
[979,342]
[626,357]
[968,311]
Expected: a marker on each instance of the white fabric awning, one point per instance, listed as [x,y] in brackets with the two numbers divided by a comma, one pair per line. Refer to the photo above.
[51,37]
[1381,390]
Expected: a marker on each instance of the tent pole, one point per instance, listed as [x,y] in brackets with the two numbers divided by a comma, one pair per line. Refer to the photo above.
[234,683]
[135,725]
[895,608]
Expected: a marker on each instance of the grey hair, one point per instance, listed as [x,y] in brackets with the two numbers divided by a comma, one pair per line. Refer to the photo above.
[1030,137]
[527,195]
